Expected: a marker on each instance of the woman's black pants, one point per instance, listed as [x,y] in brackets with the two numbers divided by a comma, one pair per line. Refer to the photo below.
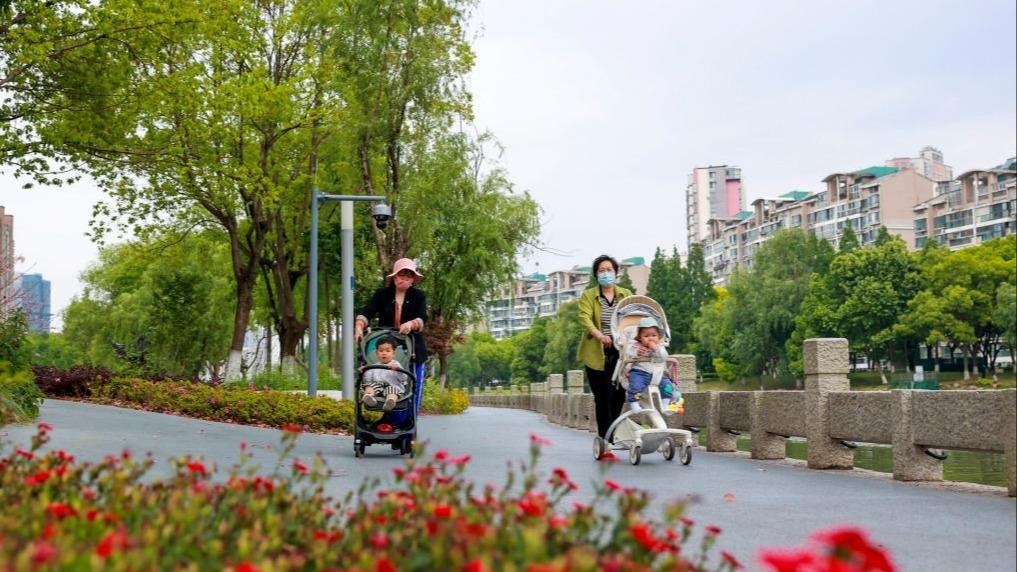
[608,397]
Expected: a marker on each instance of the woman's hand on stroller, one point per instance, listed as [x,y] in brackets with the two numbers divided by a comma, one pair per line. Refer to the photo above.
[604,338]
[407,327]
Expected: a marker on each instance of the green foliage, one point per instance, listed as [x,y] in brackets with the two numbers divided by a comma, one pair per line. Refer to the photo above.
[279,381]
[233,403]
[479,360]
[848,240]
[20,398]
[725,371]
[14,347]
[1005,316]
[529,355]
[53,350]
[563,335]
[681,292]
[438,401]
[168,307]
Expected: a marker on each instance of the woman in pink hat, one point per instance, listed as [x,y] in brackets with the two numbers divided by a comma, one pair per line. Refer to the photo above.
[400,304]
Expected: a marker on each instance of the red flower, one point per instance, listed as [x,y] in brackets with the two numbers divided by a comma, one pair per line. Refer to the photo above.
[63,456]
[61,510]
[643,534]
[538,440]
[713,530]
[441,455]
[687,521]
[91,514]
[475,565]
[43,553]
[460,460]
[379,540]
[852,544]
[533,503]
[442,511]
[197,467]
[548,567]
[291,428]
[113,541]
[25,454]
[558,521]
[245,567]
[38,478]
[384,565]
[730,559]
[45,427]
[300,467]
[787,560]
[612,485]
[561,473]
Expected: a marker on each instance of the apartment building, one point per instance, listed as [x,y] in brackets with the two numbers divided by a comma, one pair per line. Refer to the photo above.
[980,205]
[516,306]
[713,192]
[864,200]
[929,162]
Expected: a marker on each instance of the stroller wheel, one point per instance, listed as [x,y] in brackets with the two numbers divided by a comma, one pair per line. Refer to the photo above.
[686,457]
[406,447]
[667,449]
[599,448]
[635,454]
[358,450]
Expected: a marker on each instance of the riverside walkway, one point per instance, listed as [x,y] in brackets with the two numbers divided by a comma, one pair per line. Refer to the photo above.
[774,503]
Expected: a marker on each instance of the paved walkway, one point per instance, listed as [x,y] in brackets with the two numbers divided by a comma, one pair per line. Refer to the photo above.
[774,504]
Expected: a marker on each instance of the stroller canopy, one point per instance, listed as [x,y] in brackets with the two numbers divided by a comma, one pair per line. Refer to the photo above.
[627,314]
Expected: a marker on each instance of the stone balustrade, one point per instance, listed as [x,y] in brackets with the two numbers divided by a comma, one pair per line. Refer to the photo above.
[829,416]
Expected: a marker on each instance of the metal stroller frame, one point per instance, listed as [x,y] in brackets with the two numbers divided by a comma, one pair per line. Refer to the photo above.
[625,433]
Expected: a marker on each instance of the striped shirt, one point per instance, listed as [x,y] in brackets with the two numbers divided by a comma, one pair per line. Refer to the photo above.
[606,313]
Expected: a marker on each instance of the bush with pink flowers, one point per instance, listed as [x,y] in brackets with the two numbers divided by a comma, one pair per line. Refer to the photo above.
[62,514]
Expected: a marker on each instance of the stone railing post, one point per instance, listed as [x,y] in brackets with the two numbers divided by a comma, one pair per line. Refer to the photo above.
[686,373]
[826,368]
[910,463]
[719,440]
[556,397]
[574,380]
[765,445]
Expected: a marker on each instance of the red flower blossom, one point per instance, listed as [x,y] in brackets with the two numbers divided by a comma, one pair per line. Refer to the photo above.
[49,530]
[45,427]
[91,514]
[538,440]
[687,521]
[63,456]
[713,530]
[475,565]
[441,455]
[643,534]
[460,460]
[852,544]
[61,510]
[245,567]
[558,521]
[384,565]
[533,503]
[38,478]
[327,510]
[300,467]
[561,473]
[197,467]
[43,552]
[730,559]
[442,511]
[379,540]
[25,454]
[113,541]
[291,428]
[787,560]
[612,485]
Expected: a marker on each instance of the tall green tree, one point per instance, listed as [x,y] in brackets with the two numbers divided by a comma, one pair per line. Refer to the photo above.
[529,355]
[563,335]
[1005,316]
[848,240]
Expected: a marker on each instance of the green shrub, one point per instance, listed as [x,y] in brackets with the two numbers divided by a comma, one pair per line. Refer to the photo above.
[279,381]
[20,398]
[229,403]
[438,401]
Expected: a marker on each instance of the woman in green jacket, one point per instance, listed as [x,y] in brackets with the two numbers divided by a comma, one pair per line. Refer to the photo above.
[596,349]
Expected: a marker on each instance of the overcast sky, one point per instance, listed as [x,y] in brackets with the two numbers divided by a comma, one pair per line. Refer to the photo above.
[604,107]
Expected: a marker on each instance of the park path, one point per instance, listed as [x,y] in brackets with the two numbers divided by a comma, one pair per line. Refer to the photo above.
[774,504]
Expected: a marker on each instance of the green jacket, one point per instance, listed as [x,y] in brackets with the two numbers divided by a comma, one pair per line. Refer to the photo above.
[591,351]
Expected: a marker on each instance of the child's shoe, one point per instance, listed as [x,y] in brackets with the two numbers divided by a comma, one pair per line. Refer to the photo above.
[368,399]
[390,402]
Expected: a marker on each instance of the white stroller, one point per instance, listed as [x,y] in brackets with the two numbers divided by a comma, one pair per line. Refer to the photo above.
[625,432]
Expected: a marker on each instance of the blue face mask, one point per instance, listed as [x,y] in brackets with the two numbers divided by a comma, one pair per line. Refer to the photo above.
[606,279]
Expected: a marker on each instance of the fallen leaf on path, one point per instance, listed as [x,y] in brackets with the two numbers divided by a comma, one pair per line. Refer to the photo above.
[729,497]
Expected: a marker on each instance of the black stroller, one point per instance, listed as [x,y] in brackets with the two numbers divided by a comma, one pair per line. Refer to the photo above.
[402,435]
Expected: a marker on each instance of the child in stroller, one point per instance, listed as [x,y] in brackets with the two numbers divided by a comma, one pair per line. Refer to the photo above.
[380,382]
[647,343]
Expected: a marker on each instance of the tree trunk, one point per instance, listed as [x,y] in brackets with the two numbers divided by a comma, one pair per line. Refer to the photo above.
[268,348]
[328,324]
[241,316]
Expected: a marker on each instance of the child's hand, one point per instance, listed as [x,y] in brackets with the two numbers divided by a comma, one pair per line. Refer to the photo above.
[361,369]
[393,366]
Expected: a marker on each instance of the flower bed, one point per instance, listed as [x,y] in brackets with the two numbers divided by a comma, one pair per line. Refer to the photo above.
[238,404]
[19,397]
[63,514]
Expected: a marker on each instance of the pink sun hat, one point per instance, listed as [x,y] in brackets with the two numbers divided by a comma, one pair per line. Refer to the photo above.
[405,264]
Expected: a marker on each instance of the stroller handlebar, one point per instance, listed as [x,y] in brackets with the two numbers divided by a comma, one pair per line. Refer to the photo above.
[383,366]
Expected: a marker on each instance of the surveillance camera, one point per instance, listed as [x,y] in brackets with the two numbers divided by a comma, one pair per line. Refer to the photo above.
[382,213]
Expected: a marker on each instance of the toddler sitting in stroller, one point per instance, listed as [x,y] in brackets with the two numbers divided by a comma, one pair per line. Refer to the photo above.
[381,382]
[647,344]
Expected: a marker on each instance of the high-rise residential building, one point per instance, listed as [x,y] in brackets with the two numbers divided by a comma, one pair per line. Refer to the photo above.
[7,293]
[34,298]
[865,200]
[980,205]
[513,309]
[713,192]
[929,163]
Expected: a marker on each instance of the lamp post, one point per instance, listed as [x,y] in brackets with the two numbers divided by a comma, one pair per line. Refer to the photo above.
[346,250]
